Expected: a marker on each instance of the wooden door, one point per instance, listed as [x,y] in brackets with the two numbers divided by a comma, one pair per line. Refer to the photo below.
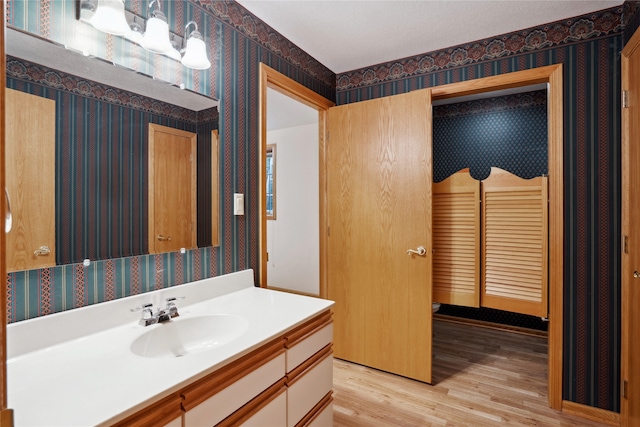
[630,402]
[456,240]
[379,179]
[172,189]
[515,243]
[30,176]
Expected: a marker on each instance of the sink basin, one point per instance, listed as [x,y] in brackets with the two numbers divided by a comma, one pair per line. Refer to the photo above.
[189,335]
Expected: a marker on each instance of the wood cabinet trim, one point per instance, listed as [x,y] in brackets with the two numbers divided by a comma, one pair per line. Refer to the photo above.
[158,414]
[255,405]
[316,410]
[217,381]
[308,328]
[309,364]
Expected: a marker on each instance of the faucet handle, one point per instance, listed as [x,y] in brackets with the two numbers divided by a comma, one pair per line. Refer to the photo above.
[146,308]
[147,314]
[171,306]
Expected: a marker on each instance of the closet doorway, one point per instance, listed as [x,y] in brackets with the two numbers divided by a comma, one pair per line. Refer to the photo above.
[490,203]
[552,77]
[278,85]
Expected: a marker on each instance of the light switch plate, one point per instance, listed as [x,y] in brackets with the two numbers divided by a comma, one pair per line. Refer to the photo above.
[238,204]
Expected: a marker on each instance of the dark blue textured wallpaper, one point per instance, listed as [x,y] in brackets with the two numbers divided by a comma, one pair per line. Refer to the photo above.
[506,132]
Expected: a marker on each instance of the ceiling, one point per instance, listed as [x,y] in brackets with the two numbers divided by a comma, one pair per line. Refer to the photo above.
[348,35]
[351,34]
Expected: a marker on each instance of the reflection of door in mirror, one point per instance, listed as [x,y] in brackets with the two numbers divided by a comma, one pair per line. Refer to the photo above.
[30,175]
[172,189]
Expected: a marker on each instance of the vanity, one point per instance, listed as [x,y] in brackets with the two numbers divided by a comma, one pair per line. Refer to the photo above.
[235,355]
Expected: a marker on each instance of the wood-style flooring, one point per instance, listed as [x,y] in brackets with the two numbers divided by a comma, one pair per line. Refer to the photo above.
[481,377]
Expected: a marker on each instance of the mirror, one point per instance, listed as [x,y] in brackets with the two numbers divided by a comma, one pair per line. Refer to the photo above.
[103,112]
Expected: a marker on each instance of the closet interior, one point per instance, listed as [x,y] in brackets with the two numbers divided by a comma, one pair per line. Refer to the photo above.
[490,205]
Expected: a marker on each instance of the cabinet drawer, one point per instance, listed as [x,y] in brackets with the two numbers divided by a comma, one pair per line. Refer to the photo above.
[272,414]
[324,418]
[217,407]
[165,412]
[175,423]
[306,348]
[307,339]
[310,386]
[321,415]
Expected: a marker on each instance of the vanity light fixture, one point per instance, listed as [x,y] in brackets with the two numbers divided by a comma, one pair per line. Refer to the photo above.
[109,17]
[195,53]
[136,32]
[156,35]
[174,53]
[152,34]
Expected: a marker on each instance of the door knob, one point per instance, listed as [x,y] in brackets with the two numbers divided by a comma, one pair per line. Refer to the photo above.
[162,238]
[42,250]
[636,275]
[421,251]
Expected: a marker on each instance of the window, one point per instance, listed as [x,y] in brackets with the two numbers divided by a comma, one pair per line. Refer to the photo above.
[271,181]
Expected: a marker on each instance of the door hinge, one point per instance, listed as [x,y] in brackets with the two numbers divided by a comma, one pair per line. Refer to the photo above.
[625,244]
[625,99]
[625,386]
[267,257]
[328,231]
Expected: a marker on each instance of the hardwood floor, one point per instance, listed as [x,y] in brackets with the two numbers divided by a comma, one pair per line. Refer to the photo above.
[481,377]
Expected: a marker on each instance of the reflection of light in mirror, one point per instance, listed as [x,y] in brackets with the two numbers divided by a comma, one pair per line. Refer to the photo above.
[83,40]
[109,17]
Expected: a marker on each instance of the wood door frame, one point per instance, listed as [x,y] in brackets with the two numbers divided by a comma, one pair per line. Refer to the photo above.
[270,78]
[6,415]
[630,47]
[553,76]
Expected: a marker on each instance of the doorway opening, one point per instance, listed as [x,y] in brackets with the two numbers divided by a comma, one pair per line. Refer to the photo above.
[276,86]
[552,77]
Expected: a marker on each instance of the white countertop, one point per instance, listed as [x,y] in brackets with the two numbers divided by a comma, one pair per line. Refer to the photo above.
[92,378]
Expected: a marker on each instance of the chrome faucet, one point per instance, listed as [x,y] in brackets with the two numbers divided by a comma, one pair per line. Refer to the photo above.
[160,316]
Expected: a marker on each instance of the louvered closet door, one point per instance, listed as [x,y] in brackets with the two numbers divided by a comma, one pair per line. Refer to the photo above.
[456,240]
[515,240]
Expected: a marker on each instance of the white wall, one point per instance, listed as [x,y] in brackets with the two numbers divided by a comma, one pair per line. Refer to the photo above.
[293,237]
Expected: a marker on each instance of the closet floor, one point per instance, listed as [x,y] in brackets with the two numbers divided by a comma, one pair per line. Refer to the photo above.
[481,377]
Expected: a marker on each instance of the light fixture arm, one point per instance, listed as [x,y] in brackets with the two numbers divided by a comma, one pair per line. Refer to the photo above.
[158,4]
[186,34]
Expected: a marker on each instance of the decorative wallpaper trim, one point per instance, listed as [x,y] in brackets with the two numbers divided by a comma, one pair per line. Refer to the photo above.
[36,73]
[574,30]
[501,103]
[253,28]
[631,18]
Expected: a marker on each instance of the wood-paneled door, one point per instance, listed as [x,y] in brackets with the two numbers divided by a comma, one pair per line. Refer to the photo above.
[456,240]
[30,180]
[172,189]
[630,402]
[515,234]
[379,183]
